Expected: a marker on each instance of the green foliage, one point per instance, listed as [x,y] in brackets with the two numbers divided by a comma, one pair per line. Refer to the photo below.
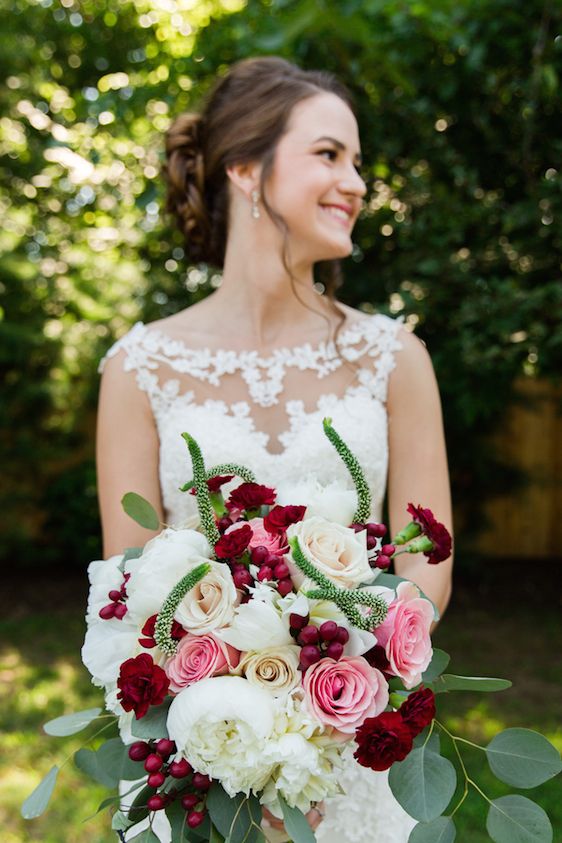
[457,107]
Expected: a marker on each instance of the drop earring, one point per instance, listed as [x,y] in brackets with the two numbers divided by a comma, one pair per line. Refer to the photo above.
[255,209]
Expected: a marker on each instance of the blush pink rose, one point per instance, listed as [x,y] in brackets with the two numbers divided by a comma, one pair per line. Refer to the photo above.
[344,693]
[197,657]
[404,634]
[274,542]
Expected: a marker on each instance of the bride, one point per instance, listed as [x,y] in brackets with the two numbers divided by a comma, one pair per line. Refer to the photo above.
[265,183]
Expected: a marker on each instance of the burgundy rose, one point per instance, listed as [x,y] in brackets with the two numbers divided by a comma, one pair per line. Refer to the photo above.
[418,710]
[281,517]
[141,684]
[177,632]
[383,740]
[435,531]
[234,542]
[251,496]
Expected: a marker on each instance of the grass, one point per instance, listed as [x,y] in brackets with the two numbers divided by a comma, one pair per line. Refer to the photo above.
[42,677]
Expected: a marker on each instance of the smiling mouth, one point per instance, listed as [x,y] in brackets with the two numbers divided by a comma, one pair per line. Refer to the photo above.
[338,214]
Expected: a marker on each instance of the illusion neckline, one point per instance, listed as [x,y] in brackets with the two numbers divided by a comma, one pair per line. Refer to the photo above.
[326,347]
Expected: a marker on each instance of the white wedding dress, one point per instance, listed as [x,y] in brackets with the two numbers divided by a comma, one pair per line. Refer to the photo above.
[226,400]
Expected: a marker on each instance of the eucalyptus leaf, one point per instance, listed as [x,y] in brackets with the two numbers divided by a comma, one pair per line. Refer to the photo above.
[108,764]
[146,836]
[132,553]
[140,510]
[216,836]
[523,758]
[154,722]
[296,824]
[139,810]
[423,783]
[120,822]
[516,819]
[440,830]
[483,684]
[70,724]
[439,661]
[393,581]
[39,798]
[237,818]
[433,744]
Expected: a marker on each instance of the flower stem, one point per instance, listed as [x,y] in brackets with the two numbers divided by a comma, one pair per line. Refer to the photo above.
[467,778]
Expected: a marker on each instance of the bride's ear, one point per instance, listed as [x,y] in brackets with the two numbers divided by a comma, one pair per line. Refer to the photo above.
[244,177]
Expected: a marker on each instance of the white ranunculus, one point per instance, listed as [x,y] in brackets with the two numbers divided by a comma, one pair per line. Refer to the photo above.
[221,725]
[331,501]
[337,552]
[104,576]
[275,669]
[256,623]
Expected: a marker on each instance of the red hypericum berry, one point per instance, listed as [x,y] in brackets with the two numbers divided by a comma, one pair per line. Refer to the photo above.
[114,594]
[224,523]
[309,655]
[334,650]
[242,578]
[259,554]
[343,635]
[284,587]
[190,800]
[357,528]
[156,779]
[388,549]
[120,610]
[108,611]
[383,561]
[179,769]
[328,630]
[273,559]
[201,781]
[139,750]
[281,571]
[165,747]
[156,802]
[377,530]
[265,573]
[371,542]
[309,635]
[298,621]
[153,763]
[195,818]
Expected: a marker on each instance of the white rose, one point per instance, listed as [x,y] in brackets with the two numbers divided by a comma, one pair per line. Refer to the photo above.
[256,622]
[337,552]
[331,502]
[275,669]
[221,725]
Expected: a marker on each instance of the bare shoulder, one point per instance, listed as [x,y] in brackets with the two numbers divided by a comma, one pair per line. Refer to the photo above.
[413,372]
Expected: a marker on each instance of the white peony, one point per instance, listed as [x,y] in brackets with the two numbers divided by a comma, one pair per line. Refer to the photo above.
[337,552]
[331,502]
[106,646]
[256,623]
[221,726]
[104,575]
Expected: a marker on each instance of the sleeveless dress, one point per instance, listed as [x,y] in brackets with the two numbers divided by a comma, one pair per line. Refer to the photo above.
[203,391]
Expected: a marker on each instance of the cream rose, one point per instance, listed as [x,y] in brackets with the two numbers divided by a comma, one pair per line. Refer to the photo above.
[211,603]
[336,551]
[276,669]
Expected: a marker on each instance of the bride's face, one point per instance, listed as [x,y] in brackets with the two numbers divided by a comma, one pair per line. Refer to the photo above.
[315,184]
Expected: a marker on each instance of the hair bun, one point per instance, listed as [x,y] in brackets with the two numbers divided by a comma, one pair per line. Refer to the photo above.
[185,175]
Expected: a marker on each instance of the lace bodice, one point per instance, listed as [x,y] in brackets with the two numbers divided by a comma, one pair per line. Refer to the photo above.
[266,412]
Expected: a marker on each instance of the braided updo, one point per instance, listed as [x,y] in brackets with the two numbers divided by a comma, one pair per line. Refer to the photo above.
[242,120]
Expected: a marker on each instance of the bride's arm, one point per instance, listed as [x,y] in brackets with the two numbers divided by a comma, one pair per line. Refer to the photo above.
[126,455]
[418,471]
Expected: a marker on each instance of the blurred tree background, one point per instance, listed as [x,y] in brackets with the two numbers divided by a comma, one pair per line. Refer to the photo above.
[459,114]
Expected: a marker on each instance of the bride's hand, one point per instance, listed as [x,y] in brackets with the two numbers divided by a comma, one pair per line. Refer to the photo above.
[314,817]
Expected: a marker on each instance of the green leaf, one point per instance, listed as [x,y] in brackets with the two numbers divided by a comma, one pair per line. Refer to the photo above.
[433,744]
[296,824]
[146,836]
[423,783]
[516,819]
[441,830]
[108,764]
[132,553]
[38,800]
[120,822]
[237,818]
[439,661]
[216,836]
[393,580]
[140,510]
[177,817]
[483,684]
[139,810]
[523,758]
[69,724]
[154,722]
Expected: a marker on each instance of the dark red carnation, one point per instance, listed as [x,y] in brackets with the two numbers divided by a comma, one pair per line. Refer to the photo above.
[234,543]
[418,710]
[251,496]
[281,517]
[148,630]
[376,657]
[435,531]
[383,740]
[141,684]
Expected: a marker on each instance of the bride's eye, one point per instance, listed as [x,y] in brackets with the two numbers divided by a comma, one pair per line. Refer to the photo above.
[329,151]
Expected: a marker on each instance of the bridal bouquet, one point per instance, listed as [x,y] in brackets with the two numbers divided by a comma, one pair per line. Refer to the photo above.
[247,659]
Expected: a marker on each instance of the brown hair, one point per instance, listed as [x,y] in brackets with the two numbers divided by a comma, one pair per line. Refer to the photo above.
[242,120]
